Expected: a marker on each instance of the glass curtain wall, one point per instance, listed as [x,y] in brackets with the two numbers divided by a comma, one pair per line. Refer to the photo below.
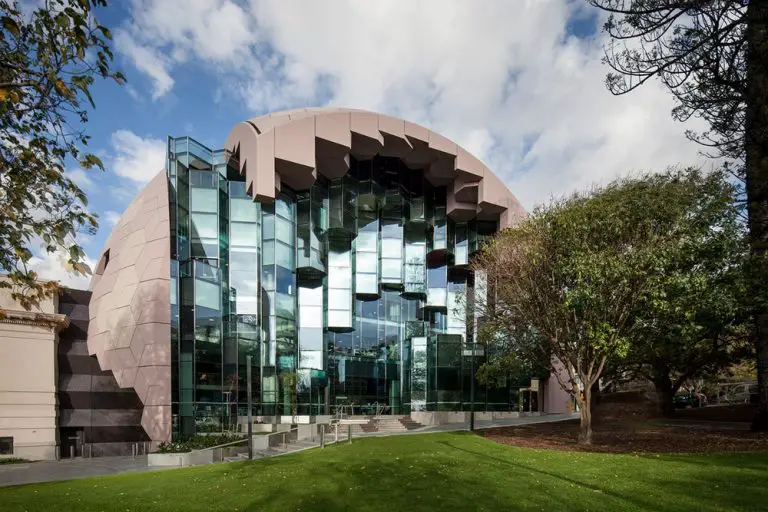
[350,294]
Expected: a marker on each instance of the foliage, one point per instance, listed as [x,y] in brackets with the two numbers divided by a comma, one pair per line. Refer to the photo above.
[440,472]
[196,443]
[565,284]
[12,460]
[49,60]
[712,55]
[696,319]
[696,49]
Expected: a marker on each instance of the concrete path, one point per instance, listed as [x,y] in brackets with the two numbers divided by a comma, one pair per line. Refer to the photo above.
[50,471]
[68,469]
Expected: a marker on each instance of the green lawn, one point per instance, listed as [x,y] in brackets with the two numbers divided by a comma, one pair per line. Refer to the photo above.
[441,472]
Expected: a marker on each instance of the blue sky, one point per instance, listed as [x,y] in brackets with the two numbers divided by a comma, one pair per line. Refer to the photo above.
[519,83]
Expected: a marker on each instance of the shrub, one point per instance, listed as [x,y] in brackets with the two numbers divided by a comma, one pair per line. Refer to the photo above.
[196,443]
[12,460]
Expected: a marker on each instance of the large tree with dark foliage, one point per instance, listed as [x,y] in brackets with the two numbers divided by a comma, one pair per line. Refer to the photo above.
[569,286]
[697,322]
[712,55]
[49,59]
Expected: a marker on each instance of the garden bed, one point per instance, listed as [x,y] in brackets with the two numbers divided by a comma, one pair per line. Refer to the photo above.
[631,437]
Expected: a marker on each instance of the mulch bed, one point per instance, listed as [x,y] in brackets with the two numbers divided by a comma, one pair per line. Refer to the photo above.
[632,437]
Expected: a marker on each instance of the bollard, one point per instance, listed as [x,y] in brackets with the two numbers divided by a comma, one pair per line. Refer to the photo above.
[349,433]
[336,432]
[133,451]
[322,438]
[285,445]
[71,451]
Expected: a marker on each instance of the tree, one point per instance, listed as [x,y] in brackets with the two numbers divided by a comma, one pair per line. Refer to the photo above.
[49,60]
[564,284]
[712,55]
[696,322]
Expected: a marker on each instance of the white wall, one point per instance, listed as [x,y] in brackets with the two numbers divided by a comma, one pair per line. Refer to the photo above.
[28,406]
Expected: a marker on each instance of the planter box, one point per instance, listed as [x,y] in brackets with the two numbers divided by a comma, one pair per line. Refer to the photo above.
[261,442]
[180,460]
[158,460]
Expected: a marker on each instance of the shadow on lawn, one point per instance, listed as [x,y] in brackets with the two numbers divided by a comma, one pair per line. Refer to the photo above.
[404,485]
[631,499]
[743,493]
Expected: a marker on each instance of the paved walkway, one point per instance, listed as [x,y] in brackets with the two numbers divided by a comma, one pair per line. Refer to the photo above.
[49,471]
[68,469]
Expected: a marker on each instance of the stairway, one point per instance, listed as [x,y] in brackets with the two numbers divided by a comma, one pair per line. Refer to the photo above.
[291,446]
[386,425]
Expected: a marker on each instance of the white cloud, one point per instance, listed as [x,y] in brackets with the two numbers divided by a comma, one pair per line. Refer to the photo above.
[137,158]
[147,61]
[53,266]
[111,217]
[507,81]
[81,178]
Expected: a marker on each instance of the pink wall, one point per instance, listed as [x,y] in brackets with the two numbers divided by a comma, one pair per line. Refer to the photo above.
[130,309]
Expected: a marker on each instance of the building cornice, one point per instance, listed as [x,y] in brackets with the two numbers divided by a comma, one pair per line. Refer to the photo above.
[55,322]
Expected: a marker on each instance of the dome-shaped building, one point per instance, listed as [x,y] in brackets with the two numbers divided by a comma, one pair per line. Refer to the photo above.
[329,245]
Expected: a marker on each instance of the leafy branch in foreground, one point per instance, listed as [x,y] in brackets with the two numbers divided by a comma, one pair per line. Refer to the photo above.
[49,60]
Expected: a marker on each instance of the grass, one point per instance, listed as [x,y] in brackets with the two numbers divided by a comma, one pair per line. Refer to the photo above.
[12,460]
[441,472]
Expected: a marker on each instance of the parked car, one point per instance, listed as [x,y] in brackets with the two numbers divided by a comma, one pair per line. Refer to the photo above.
[685,400]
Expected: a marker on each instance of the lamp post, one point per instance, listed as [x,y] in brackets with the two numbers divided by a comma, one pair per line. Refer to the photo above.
[250,408]
[472,391]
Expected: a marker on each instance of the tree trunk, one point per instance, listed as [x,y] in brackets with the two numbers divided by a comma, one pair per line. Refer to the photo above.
[585,434]
[665,396]
[756,146]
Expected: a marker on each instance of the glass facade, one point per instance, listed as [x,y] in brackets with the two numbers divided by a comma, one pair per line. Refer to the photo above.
[354,291]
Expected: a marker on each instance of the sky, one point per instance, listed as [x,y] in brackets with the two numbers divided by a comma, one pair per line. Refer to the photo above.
[519,83]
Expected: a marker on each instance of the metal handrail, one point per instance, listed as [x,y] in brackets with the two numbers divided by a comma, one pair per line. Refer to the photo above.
[243,440]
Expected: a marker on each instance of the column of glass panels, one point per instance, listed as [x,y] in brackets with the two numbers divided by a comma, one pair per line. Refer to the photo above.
[244,216]
[208,353]
[205,227]
[204,208]
[339,283]
[285,292]
[439,240]
[186,349]
[480,232]
[342,207]
[391,350]
[311,344]
[279,311]
[174,292]
[418,373]
[444,370]
[311,226]
[229,352]
[437,285]
[267,319]
[461,243]
[392,236]
[457,303]
[414,269]
[367,241]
